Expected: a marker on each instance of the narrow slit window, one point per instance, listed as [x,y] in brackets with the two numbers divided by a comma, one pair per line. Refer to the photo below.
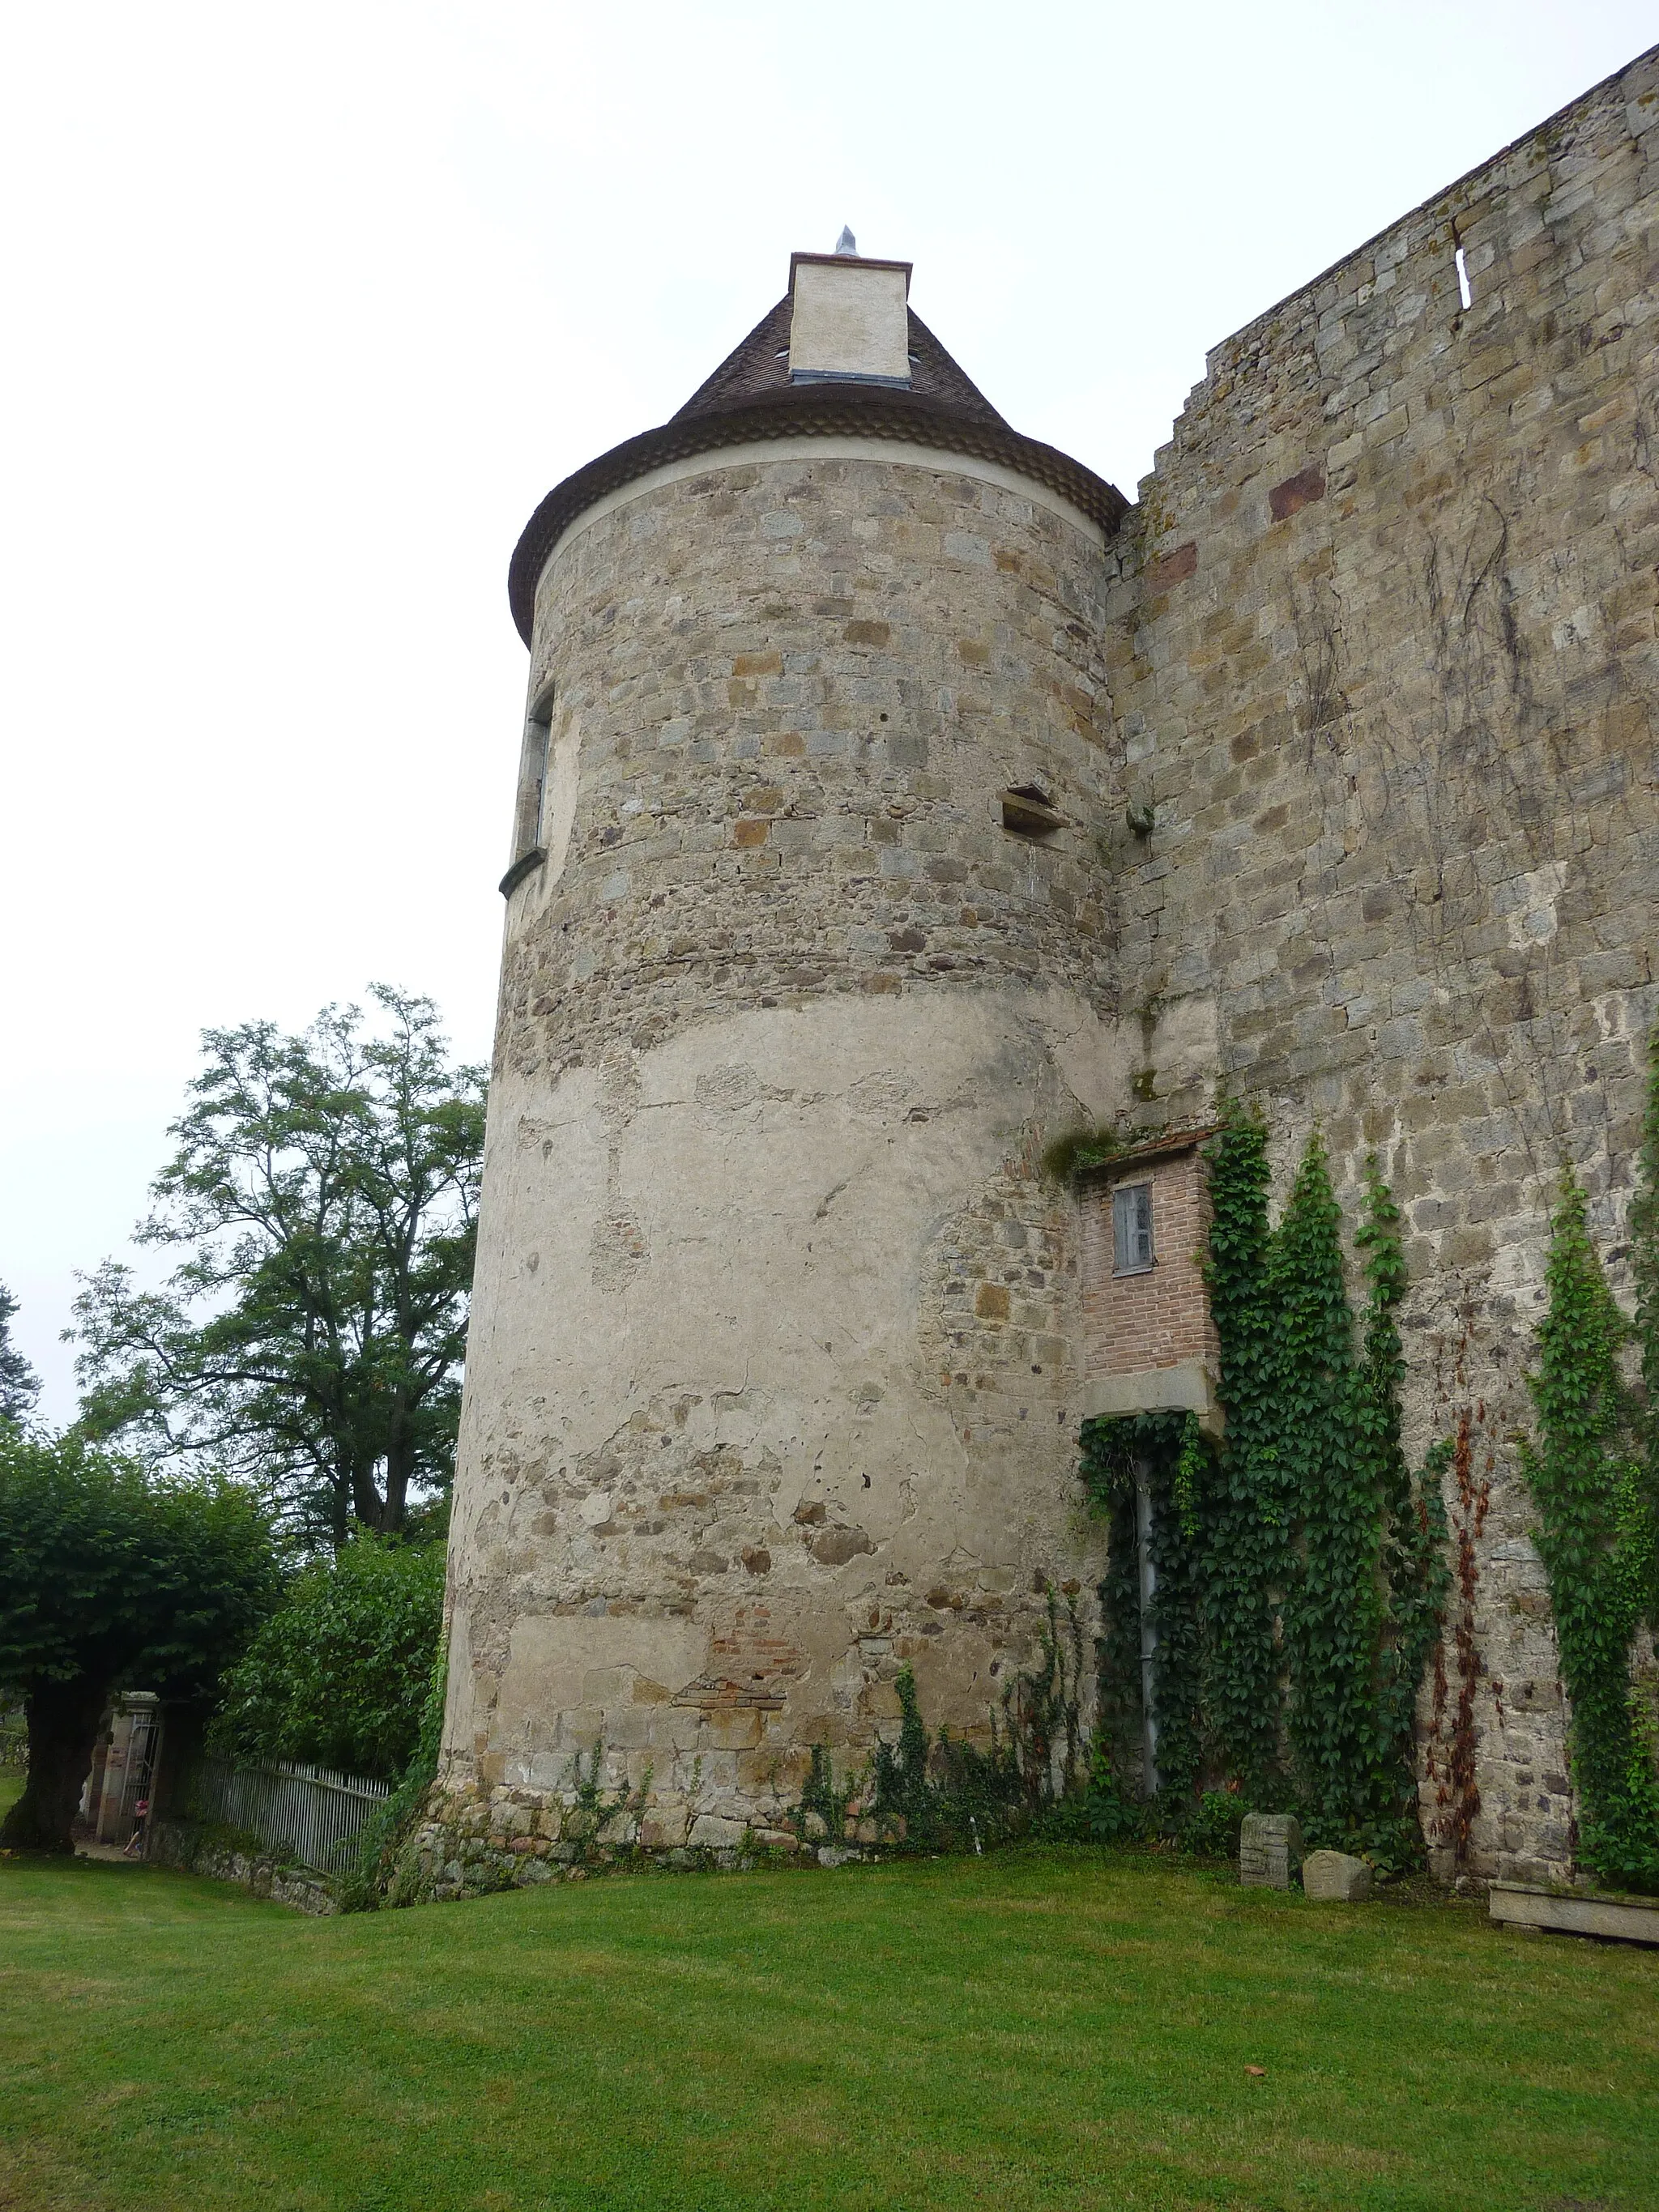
[1132,1229]
[532,776]
[1465,290]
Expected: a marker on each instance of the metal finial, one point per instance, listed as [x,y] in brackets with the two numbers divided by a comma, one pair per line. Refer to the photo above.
[847,243]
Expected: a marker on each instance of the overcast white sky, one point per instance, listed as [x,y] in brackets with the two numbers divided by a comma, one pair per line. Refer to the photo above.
[306,308]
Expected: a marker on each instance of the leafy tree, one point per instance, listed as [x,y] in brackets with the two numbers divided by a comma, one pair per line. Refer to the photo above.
[111,1576]
[338,1675]
[20,1386]
[325,1189]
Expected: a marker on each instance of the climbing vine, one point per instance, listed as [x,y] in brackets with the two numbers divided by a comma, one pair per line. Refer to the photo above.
[371,1879]
[936,1793]
[1300,1567]
[1644,1257]
[1595,1536]
[1245,1537]
[1171,1451]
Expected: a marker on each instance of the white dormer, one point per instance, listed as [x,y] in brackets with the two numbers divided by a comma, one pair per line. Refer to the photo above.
[849,321]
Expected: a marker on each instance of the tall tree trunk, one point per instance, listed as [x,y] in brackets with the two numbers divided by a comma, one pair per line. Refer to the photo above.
[399,1466]
[62,1721]
[367,1506]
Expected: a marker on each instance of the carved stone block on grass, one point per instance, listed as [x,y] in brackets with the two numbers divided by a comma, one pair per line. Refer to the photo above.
[1334,1878]
[1269,1850]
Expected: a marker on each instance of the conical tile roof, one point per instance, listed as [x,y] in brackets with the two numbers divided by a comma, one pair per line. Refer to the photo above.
[758,369]
[749,400]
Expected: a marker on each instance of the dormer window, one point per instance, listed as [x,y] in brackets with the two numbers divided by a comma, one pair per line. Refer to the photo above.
[1132,1252]
[849,320]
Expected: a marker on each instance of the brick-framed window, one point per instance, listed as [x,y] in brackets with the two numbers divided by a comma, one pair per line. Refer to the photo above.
[1149,1343]
[1134,1252]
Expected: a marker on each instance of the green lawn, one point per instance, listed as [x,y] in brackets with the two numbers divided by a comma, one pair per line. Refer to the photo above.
[1030,2029]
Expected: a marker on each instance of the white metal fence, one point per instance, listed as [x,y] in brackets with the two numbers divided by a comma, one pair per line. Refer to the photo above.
[309,1810]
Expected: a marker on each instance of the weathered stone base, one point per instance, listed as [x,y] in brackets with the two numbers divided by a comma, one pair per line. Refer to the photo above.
[195,1850]
[474,1841]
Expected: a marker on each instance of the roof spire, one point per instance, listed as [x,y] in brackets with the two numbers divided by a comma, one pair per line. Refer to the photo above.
[847,243]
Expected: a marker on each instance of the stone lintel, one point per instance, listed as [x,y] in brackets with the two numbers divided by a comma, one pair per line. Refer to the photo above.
[1187,1387]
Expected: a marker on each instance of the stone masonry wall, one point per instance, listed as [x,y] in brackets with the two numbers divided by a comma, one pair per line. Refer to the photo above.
[774,1362]
[795,690]
[1382,651]
[780,1338]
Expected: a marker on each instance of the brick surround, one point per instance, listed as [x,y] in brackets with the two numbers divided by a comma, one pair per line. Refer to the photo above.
[1138,1324]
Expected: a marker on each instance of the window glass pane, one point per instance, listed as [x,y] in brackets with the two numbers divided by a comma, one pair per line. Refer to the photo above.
[1132,1228]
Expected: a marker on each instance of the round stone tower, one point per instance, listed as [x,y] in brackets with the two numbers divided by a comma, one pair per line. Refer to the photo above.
[773,1379]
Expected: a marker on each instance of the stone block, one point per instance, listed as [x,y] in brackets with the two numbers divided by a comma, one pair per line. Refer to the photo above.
[1620,1919]
[1269,1850]
[712,1832]
[734,1728]
[1335,1878]
[663,1828]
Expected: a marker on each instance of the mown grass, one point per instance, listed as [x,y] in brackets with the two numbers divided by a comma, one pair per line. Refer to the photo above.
[1032,2029]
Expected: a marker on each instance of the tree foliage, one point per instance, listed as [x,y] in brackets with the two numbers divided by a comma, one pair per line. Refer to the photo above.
[20,1386]
[1595,1537]
[338,1675]
[112,1577]
[324,1189]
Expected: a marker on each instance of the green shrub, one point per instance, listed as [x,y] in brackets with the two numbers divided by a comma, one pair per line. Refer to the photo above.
[339,1674]
[1211,1829]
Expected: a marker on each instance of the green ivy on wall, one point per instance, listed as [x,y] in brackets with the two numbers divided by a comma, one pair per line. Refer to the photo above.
[1300,1566]
[1176,1458]
[1595,1533]
[1644,1258]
